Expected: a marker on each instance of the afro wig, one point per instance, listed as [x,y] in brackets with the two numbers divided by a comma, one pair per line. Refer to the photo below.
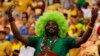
[51,16]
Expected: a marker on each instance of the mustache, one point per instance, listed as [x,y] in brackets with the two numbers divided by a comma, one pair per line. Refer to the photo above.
[51,30]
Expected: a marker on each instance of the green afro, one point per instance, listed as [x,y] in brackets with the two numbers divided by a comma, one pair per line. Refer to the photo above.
[53,16]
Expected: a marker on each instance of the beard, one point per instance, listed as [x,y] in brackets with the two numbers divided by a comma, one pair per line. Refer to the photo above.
[51,32]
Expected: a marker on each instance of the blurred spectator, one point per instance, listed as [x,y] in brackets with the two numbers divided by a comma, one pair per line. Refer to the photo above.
[41,4]
[31,30]
[21,5]
[24,18]
[80,3]
[22,29]
[74,28]
[34,3]
[72,11]
[80,17]
[7,3]
[16,45]
[5,49]
[53,7]
[18,20]
[65,3]
[38,13]
[9,37]
[86,10]
[31,12]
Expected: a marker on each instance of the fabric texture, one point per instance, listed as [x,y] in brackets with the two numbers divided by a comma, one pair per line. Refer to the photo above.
[60,47]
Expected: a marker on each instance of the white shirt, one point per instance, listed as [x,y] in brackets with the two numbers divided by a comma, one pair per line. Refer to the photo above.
[27,51]
[87,13]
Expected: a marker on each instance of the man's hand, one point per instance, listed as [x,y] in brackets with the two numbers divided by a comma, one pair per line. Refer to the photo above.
[94,15]
[8,12]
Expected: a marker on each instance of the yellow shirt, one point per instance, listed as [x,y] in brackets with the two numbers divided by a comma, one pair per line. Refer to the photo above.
[5,47]
[22,5]
[72,12]
[74,30]
[6,4]
[74,52]
[16,46]
[53,7]
[88,1]
[85,27]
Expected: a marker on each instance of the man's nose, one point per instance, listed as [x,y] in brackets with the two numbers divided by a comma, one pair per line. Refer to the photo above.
[51,26]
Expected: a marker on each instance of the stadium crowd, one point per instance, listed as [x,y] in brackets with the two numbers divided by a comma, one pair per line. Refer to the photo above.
[26,12]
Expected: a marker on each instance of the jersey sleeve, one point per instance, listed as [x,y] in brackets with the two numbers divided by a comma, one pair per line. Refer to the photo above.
[70,42]
[32,41]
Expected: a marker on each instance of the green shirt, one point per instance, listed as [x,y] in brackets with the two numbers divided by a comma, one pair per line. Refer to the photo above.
[80,1]
[60,47]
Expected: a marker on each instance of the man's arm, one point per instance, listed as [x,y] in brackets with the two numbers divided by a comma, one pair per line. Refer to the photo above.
[86,35]
[16,33]
[13,26]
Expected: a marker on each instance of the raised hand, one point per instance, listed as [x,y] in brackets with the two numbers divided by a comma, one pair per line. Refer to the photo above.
[94,15]
[8,12]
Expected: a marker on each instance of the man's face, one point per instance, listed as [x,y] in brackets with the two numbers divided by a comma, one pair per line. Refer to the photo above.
[51,28]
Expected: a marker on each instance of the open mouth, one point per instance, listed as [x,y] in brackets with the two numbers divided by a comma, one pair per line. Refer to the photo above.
[51,30]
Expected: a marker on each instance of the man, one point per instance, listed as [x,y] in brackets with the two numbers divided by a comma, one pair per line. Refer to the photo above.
[51,30]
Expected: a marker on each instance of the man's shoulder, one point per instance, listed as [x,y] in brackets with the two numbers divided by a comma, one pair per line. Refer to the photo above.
[69,39]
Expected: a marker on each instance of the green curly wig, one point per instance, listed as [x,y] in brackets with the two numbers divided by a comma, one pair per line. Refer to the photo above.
[53,16]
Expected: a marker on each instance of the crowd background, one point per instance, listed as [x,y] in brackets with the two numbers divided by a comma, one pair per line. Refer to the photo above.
[26,12]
